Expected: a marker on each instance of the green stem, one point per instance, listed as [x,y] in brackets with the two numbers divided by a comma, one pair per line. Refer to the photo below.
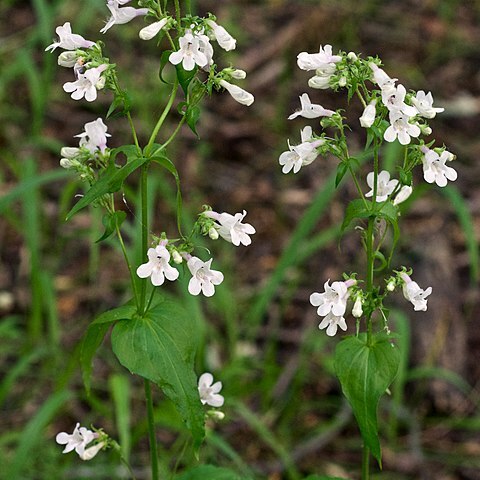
[370,265]
[177,11]
[144,226]
[129,265]
[365,463]
[164,114]
[151,430]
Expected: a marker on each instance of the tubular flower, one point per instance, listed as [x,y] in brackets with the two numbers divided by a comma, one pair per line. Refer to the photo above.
[239,94]
[209,391]
[150,31]
[414,294]
[368,116]
[332,300]
[189,53]
[203,278]
[95,136]
[435,169]
[401,128]
[310,110]
[77,441]
[385,186]
[121,15]
[423,102]
[331,322]
[231,228]
[157,267]
[322,77]
[320,60]
[224,39]
[69,40]
[87,84]
[302,154]
[403,194]
[394,99]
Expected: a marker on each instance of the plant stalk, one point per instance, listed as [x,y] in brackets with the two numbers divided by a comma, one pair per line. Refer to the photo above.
[365,463]
[151,430]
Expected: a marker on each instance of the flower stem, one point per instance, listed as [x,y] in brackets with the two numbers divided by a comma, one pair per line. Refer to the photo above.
[370,265]
[365,463]
[151,430]
[129,265]
[144,226]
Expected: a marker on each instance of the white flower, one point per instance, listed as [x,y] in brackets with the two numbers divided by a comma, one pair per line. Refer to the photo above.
[157,266]
[332,300]
[394,99]
[205,47]
[322,77]
[435,169]
[121,15]
[189,53]
[69,40]
[310,110]
[385,186]
[203,278]
[381,78]
[77,441]
[231,227]
[413,293]
[209,391]
[403,194]
[401,128]
[300,155]
[424,104]
[224,39]
[87,84]
[357,310]
[331,322]
[314,61]
[238,94]
[368,116]
[150,31]
[90,452]
[95,136]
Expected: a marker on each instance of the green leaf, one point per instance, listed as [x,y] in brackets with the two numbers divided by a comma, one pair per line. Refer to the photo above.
[121,105]
[192,115]
[209,472]
[166,163]
[164,61]
[111,181]
[160,346]
[365,372]
[358,208]
[110,222]
[342,169]
[95,334]
[185,77]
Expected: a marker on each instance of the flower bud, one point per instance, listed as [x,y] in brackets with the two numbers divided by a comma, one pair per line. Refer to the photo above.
[224,39]
[357,310]
[216,414]
[391,286]
[368,116]
[238,74]
[403,194]
[100,84]
[425,130]
[67,59]
[321,82]
[352,56]
[177,258]
[238,94]
[90,452]
[342,82]
[213,233]
[148,32]
[66,163]
[69,152]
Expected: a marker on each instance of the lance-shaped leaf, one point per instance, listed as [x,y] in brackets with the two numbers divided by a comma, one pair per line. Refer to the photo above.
[110,222]
[365,371]
[160,346]
[95,334]
[111,180]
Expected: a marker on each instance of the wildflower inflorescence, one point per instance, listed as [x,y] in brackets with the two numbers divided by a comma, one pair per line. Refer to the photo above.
[390,113]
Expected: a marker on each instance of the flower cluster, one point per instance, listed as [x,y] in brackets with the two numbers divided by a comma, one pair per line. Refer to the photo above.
[204,278]
[80,439]
[332,305]
[390,112]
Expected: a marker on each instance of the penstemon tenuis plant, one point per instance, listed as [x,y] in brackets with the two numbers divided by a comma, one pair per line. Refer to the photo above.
[366,363]
[152,336]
